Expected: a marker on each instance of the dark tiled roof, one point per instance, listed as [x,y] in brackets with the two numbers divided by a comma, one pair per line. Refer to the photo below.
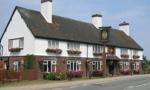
[72,30]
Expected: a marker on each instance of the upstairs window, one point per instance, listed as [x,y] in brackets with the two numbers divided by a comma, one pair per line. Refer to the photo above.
[16,43]
[135,52]
[73,46]
[97,49]
[53,44]
[124,51]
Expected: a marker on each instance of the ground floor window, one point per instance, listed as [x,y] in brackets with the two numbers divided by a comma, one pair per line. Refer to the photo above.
[97,65]
[136,66]
[49,66]
[16,66]
[74,65]
[124,66]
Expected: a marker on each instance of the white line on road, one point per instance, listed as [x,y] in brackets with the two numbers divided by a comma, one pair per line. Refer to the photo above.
[73,86]
[85,85]
[130,87]
[57,89]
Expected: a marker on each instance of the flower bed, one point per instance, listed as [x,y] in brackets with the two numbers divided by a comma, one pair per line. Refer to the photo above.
[57,51]
[125,72]
[136,72]
[73,52]
[97,73]
[74,74]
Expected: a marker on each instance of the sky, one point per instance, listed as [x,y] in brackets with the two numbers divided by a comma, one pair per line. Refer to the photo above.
[135,12]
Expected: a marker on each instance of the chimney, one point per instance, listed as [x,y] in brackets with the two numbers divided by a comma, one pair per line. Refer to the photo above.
[97,20]
[46,10]
[124,26]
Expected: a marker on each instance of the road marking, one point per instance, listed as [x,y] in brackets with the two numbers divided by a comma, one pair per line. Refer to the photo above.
[85,85]
[130,87]
[57,89]
[73,87]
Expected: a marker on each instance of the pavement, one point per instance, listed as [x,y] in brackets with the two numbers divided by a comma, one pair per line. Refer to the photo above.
[136,82]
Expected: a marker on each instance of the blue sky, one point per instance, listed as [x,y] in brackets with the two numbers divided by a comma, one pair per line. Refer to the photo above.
[136,12]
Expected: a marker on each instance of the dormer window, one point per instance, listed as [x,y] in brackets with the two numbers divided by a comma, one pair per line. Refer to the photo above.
[15,45]
[73,48]
[53,44]
[135,54]
[53,47]
[97,50]
[124,53]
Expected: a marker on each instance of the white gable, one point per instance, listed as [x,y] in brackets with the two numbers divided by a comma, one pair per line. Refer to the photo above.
[18,29]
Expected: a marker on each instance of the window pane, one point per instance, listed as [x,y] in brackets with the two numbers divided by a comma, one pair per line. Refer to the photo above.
[16,43]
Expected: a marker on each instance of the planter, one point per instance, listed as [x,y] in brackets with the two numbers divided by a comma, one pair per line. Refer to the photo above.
[136,56]
[15,49]
[97,54]
[57,51]
[125,56]
[76,52]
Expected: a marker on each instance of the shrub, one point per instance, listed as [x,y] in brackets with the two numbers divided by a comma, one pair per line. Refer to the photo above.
[29,62]
[55,76]
[136,71]
[97,73]
[51,76]
[74,74]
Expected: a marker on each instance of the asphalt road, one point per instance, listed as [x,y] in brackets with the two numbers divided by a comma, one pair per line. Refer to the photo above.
[140,83]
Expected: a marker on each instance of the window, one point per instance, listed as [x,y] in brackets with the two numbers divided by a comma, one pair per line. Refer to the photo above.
[73,65]
[53,44]
[97,65]
[124,51]
[73,46]
[124,66]
[49,66]
[16,66]
[136,66]
[16,43]
[97,49]
[135,52]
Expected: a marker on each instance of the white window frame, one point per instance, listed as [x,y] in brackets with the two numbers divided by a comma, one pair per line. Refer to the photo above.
[124,51]
[49,69]
[74,62]
[19,41]
[73,46]
[97,65]
[16,66]
[124,66]
[135,52]
[53,44]
[137,65]
[97,49]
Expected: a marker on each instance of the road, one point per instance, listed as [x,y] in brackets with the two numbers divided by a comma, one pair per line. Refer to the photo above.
[140,83]
[136,82]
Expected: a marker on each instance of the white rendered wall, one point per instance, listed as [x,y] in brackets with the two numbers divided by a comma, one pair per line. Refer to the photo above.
[16,29]
[42,44]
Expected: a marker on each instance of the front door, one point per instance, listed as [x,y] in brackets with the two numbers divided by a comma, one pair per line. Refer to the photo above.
[111,67]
